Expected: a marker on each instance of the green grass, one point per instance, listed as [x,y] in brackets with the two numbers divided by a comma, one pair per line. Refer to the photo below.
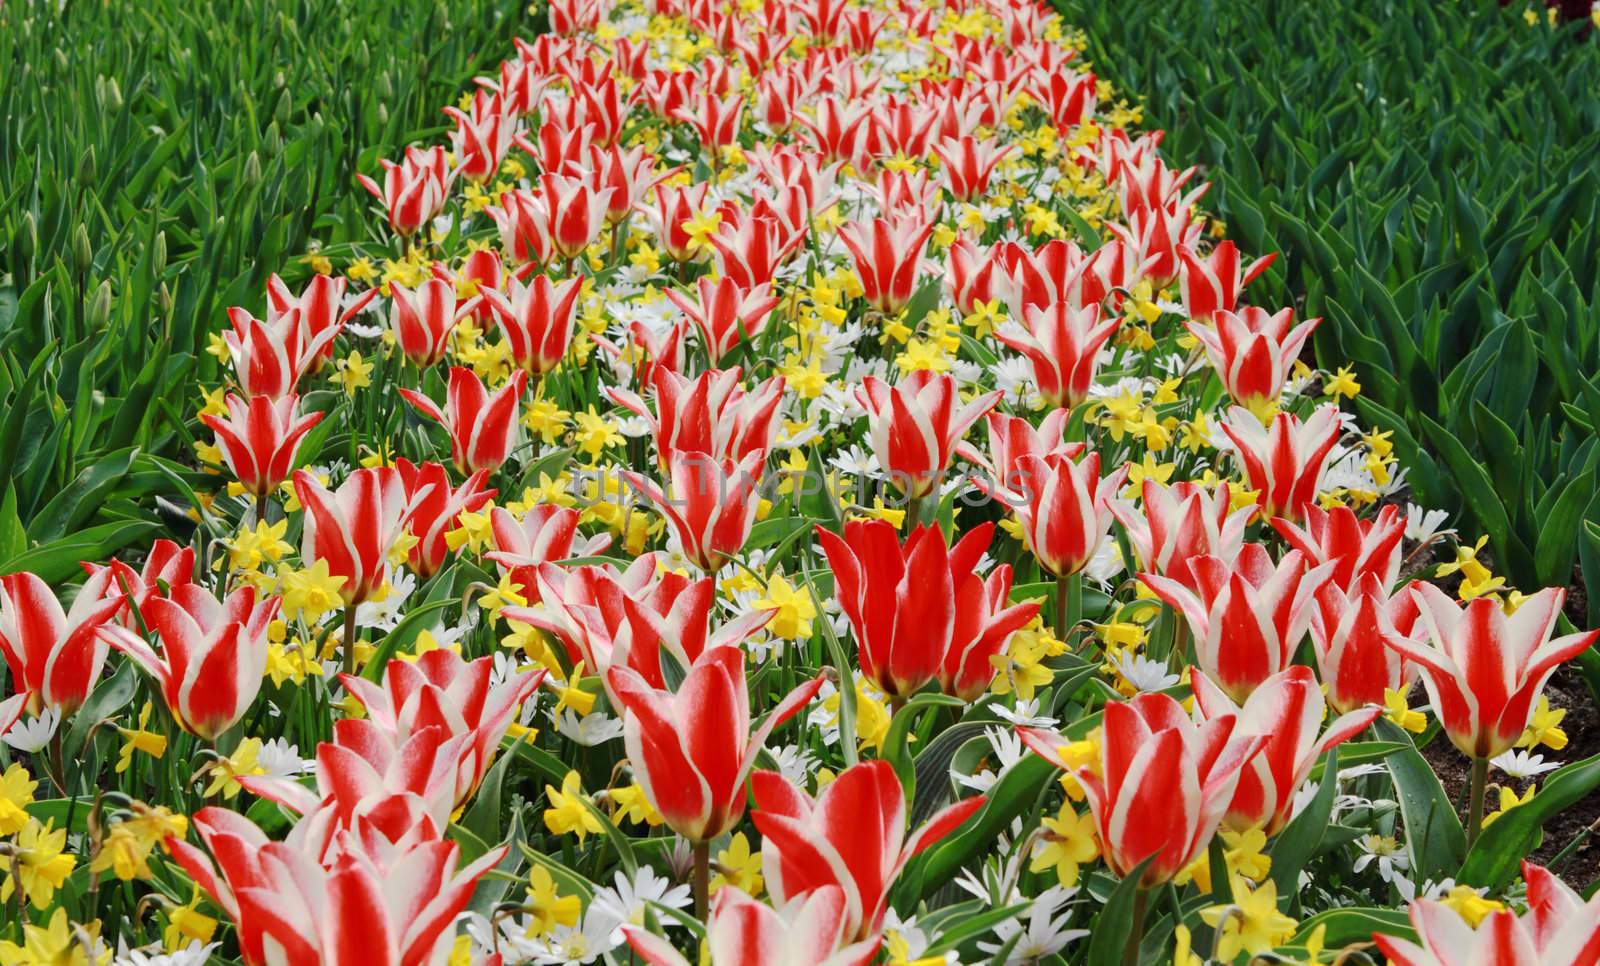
[158,160]
[1431,174]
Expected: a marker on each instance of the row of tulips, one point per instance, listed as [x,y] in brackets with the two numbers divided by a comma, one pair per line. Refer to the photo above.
[844,408]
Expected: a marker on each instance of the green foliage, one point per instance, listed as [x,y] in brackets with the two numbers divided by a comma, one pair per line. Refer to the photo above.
[159,160]
[1431,175]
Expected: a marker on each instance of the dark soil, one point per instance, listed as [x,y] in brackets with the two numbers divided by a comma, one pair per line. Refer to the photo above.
[1582,725]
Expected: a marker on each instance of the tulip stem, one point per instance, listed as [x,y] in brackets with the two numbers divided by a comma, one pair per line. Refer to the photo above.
[1130,953]
[261,509]
[1480,778]
[700,884]
[1069,604]
[350,639]
[913,512]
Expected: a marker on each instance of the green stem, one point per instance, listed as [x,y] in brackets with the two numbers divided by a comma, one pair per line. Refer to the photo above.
[1141,900]
[1069,604]
[913,512]
[1221,886]
[350,639]
[1480,778]
[700,884]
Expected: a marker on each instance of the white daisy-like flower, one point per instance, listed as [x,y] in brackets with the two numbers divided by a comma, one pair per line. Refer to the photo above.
[1045,935]
[1424,525]
[627,901]
[1523,764]
[1390,857]
[29,735]
[586,942]
[193,954]
[595,728]
[1024,714]
[794,763]
[280,759]
[1144,673]
[385,614]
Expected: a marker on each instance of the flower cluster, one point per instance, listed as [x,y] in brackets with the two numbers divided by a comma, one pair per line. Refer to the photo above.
[773,461]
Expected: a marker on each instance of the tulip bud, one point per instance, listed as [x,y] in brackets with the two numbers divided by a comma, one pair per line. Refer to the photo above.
[363,57]
[272,141]
[252,169]
[158,254]
[284,109]
[25,240]
[86,168]
[108,93]
[99,309]
[164,301]
[385,87]
[82,251]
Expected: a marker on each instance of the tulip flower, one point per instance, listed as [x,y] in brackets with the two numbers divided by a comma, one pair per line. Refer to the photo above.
[1063,343]
[575,211]
[1287,709]
[1560,928]
[711,413]
[321,306]
[1247,616]
[167,566]
[808,930]
[675,207]
[916,425]
[715,120]
[968,164]
[985,620]
[260,439]
[900,600]
[269,357]
[1155,236]
[54,656]
[1485,669]
[482,425]
[423,320]
[1012,437]
[536,320]
[369,900]
[647,350]
[749,247]
[852,836]
[483,136]
[1252,351]
[1180,522]
[414,190]
[710,504]
[1064,508]
[605,618]
[547,533]
[630,174]
[523,221]
[693,751]
[972,275]
[441,690]
[213,653]
[1040,278]
[725,313]
[354,528]
[887,253]
[1160,783]
[1350,630]
[1355,547]
[437,510]
[1212,284]
[1286,462]
[11,709]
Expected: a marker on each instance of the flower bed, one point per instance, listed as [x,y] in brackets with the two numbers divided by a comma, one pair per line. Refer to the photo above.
[802,483]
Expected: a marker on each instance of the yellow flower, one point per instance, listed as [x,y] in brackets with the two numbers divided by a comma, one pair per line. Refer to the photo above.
[737,866]
[1469,904]
[547,908]
[1244,854]
[57,944]
[1252,923]
[361,270]
[503,595]
[226,772]
[546,419]
[567,813]
[794,610]
[594,433]
[572,694]
[250,548]
[1070,840]
[310,593]
[1343,384]
[139,739]
[1508,801]
[1544,728]
[1183,951]
[1398,711]
[352,373]
[187,924]
[633,805]
[16,794]
[39,865]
